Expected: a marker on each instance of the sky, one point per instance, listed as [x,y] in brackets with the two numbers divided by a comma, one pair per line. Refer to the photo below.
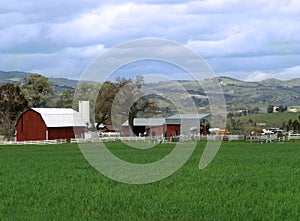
[249,40]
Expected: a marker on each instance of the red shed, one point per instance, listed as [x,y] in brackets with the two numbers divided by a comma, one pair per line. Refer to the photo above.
[49,124]
[184,124]
[146,126]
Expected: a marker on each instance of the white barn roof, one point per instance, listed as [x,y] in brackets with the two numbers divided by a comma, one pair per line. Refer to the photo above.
[151,122]
[60,117]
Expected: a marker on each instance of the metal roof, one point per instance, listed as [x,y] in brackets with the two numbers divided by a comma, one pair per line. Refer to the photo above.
[188,116]
[151,122]
[185,119]
[60,117]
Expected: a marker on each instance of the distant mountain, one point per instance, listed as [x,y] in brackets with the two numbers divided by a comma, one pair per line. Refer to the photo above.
[238,94]
[17,77]
[241,95]
[12,77]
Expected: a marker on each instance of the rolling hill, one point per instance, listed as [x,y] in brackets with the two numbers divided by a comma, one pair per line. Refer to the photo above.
[18,77]
[238,94]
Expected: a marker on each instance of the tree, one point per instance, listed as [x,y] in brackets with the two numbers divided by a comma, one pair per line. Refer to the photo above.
[38,91]
[289,125]
[255,110]
[282,108]
[270,109]
[296,126]
[126,98]
[144,105]
[65,99]
[104,102]
[12,103]
[85,92]
[207,127]
[130,93]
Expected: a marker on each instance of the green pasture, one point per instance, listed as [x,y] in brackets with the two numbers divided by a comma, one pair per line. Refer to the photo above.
[271,119]
[245,181]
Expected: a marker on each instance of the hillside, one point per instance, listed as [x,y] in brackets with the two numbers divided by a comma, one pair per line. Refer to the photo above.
[12,77]
[18,77]
[239,95]
[273,120]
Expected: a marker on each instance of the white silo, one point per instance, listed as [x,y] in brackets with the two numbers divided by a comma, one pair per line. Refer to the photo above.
[84,110]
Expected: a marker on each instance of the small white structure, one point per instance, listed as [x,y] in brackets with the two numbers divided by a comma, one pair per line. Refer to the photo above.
[84,110]
[275,109]
[292,110]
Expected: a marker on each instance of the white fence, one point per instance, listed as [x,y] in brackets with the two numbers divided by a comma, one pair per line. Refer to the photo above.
[250,138]
[263,138]
[34,142]
[294,137]
[218,137]
[160,139]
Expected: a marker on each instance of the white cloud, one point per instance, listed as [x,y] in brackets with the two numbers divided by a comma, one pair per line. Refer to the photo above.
[233,35]
[286,74]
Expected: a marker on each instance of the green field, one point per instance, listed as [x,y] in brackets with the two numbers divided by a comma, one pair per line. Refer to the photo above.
[244,182]
[271,119]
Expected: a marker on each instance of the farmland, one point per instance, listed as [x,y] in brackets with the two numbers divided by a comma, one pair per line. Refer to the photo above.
[270,119]
[244,181]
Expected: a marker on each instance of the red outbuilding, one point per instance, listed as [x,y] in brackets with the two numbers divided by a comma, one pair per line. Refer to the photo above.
[145,127]
[184,124]
[49,124]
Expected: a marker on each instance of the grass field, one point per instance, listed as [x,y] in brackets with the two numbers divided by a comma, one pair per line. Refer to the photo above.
[271,119]
[244,182]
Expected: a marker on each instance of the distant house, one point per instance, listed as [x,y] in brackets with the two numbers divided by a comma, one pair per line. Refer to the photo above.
[261,124]
[49,124]
[292,110]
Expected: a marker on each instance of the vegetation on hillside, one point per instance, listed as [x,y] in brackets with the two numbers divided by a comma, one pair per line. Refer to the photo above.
[244,99]
[244,124]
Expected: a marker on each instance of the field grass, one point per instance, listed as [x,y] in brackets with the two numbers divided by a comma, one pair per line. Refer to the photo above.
[271,119]
[244,182]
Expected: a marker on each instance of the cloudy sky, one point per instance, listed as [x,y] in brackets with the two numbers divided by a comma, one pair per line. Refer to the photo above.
[249,40]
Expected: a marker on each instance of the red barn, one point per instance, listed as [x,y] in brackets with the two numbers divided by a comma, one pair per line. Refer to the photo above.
[145,126]
[184,124]
[49,124]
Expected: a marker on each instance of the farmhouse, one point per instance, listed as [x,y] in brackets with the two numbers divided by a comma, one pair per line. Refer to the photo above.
[49,124]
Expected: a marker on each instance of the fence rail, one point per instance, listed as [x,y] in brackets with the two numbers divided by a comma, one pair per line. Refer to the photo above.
[250,138]
[294,137]
[34,142]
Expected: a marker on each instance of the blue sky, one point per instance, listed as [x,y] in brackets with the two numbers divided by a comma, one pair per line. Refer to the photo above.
[249,40]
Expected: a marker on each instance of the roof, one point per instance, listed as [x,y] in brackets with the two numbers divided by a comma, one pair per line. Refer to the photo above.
[183,118]
[60,117]
[151,122]
[188,116]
